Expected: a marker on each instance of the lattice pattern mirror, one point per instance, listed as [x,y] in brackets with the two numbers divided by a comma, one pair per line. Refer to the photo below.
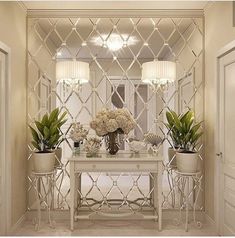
[115,73]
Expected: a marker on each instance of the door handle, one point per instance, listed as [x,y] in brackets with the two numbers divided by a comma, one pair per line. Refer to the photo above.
[220,156]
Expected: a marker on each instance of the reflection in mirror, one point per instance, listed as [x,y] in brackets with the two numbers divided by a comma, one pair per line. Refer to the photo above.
[115,50]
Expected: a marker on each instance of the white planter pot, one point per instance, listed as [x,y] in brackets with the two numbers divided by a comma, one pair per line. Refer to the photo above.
[58,153]
[43,162]
[187,162]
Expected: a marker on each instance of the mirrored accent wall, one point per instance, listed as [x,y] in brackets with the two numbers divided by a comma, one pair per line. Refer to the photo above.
[115,49]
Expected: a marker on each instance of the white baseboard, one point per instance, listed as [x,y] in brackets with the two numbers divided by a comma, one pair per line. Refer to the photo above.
[18,224]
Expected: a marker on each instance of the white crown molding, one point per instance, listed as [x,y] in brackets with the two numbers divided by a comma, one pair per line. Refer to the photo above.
[122,13]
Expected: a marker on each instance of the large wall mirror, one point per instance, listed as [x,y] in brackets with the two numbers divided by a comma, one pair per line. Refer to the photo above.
[115,49]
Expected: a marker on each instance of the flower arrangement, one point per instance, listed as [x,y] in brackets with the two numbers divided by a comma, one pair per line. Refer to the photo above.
[78,133]
[92,146]
[108,121]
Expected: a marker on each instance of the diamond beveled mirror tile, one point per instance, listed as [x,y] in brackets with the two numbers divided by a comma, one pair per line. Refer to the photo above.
[114,81]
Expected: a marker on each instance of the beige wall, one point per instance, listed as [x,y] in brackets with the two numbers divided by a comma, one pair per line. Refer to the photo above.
[219,31]
[13,34]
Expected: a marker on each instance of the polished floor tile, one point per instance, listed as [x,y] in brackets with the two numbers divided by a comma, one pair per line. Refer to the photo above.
[114,228]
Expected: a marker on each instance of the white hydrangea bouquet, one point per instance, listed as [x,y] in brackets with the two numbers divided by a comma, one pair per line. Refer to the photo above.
[109,123]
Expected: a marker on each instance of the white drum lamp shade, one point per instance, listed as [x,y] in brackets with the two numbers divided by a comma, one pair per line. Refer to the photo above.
[73,72]
[158,72]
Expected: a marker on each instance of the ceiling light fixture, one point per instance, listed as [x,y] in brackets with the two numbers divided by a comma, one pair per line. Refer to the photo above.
[114,42]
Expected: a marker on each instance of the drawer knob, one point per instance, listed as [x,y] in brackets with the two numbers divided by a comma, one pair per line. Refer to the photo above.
[93,166]
[138,166]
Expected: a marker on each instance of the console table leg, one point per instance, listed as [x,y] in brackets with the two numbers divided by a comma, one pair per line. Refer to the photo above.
[151,186]
[155,196]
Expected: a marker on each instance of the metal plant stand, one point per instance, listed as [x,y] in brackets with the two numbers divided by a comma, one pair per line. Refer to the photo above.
[170,178]
[182,182]
[43,182]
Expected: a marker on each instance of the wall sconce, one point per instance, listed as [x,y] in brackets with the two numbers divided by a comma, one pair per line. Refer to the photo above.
[73,73]
[158,73]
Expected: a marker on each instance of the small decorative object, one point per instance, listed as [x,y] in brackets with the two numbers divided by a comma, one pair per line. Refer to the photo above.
[187,136]
[137,146]
[46,137]
[110,124]
[92,146]
[78,134]
[154,140]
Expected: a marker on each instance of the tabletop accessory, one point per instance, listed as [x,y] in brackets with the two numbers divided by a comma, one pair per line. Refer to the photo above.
[110,124]
[92,146]
[137,146]
[154,140]
[78,134]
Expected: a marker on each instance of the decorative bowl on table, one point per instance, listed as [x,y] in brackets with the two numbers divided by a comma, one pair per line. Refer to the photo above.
[92,146]
[137,146]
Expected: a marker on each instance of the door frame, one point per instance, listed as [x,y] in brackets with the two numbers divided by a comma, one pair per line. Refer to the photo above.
[222,52]
[7,139]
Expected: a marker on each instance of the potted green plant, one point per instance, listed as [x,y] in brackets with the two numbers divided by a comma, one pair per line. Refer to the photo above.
[188,136]
[174,135]
[46,137]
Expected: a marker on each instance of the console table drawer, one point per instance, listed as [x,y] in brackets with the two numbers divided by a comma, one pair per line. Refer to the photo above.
[116,167]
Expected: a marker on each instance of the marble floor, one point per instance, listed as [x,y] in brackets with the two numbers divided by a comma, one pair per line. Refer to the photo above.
[114,228]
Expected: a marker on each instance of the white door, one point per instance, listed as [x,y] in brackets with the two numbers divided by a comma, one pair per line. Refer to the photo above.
[226,144]
[2,144]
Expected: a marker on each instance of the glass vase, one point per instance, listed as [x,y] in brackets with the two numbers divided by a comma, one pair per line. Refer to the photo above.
[112,142]
[76,148]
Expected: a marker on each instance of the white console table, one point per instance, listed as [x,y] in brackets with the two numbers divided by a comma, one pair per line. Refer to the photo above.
[122,162]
